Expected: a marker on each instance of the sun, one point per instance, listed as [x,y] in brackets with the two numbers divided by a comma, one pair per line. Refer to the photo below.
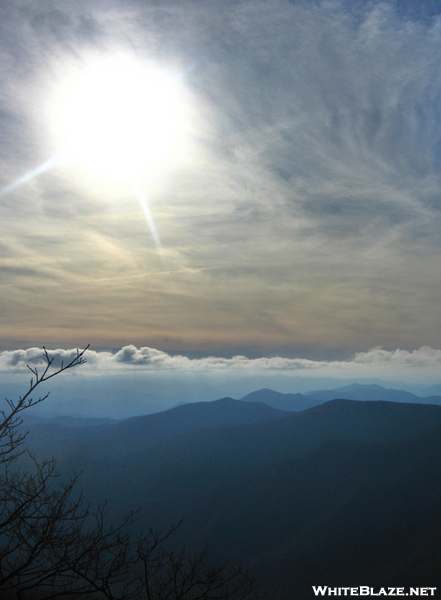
[118,117]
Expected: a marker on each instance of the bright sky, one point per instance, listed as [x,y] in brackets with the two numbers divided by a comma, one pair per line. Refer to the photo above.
[221,178]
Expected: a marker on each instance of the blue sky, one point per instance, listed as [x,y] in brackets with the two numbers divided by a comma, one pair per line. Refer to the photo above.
[295,212]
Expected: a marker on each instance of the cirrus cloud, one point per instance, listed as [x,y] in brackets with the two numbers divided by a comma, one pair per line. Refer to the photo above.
[308,217]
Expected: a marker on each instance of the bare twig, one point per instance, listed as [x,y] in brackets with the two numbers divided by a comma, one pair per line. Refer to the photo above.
[55,544]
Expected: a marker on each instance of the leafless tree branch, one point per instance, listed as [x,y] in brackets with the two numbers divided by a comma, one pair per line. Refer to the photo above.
[54,544]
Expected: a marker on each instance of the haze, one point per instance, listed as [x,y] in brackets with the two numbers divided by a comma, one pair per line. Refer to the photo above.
[295,215]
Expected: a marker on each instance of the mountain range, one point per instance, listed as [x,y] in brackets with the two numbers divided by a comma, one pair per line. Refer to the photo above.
[355,391]
[342,493]
[281,401]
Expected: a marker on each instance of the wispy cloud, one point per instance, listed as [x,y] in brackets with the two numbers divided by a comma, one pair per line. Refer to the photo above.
[305,218]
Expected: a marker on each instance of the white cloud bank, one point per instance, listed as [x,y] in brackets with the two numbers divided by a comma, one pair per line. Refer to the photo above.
[130,359]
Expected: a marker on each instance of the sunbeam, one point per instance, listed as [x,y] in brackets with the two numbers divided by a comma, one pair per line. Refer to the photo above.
[148,216]
[56,160]
[52,162]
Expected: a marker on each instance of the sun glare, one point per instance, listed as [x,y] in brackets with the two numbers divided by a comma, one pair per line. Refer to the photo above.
[119,117]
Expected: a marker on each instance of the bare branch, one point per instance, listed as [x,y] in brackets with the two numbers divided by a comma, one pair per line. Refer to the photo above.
[54,544]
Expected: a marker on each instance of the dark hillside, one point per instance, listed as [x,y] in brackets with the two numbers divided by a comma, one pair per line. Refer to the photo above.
[347,513]
[346,493]
[151,472]
[132,434]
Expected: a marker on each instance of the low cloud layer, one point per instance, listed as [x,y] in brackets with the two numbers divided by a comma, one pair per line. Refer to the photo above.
[150,360]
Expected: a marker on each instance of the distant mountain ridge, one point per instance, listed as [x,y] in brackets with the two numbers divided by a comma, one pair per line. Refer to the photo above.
[68,421]
[372,391]
[258,406]
[290,402]
[355,391]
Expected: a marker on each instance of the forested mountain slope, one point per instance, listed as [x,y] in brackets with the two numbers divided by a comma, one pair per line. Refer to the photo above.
[345,493]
